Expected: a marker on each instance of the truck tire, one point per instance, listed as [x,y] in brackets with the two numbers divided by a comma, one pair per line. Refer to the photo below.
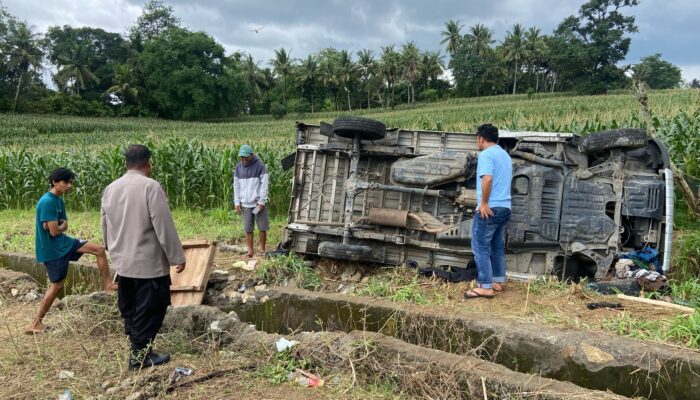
[364,128]
[616,138]
[341,251]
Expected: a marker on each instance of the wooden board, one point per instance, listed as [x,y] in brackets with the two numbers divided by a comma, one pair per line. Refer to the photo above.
[188,287]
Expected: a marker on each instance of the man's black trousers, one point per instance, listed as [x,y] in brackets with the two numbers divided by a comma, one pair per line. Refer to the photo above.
[143,304]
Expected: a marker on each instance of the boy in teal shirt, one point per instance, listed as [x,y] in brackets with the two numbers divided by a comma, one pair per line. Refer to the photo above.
[56,249]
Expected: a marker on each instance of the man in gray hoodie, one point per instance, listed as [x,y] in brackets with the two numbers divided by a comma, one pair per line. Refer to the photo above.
[250,196]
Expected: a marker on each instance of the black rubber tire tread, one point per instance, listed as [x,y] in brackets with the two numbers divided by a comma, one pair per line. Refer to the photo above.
[339,251]
[616,138]
[364,128]
[288,161]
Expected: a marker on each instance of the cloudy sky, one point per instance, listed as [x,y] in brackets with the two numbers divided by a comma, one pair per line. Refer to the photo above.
[669,27]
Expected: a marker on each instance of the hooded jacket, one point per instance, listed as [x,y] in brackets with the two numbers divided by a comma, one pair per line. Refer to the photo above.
[250,183]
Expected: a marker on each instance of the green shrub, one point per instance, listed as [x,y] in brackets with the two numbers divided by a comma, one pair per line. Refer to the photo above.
[278,110]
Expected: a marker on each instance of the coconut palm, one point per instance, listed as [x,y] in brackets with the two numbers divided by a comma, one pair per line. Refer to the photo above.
[124,85]
[515,50]
[73,70]
[431,66]
[368,69]
[254,78]
[282,65]
[535,46]
[347,71]
[389,69]
[452,35]
[308,76]
[410,59]
[480,37]
[24,52]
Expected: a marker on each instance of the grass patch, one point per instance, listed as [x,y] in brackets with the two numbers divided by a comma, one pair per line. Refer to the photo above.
[219,224]
[398,285]
[281,269]
[682,330]
[686,260]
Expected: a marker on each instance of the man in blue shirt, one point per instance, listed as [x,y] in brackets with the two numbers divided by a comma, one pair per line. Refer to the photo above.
[56,249]
[494,172]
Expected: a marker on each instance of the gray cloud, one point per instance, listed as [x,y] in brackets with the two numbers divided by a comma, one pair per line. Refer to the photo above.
[305,26]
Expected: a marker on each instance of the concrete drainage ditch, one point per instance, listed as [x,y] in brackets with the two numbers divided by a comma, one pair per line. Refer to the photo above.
[510,356]
[588,359]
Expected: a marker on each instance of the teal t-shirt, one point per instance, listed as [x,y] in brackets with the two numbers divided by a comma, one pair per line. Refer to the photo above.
[51,208]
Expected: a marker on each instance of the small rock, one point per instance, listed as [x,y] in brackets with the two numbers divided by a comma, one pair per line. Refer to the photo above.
[107,384]
[220,272]
[14,292]
[348,289]
[261,287]
[111,391]
[234,296]
[310,263]
[264,299]
[135,396]
[126,383]
[66,375]
[245,297]
[31,296]
[364,279]
[215,326]
[356,277]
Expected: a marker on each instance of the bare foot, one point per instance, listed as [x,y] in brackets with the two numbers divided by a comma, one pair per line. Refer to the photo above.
[262,252]
[35,328]
[497,287]
[249,255]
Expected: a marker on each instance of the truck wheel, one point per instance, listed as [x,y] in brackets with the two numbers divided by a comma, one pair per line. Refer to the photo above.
[604,140]
[341,251]
[364,128]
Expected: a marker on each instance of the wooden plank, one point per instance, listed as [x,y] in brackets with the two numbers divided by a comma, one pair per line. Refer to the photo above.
[189,286]
[185,288]
[656,303]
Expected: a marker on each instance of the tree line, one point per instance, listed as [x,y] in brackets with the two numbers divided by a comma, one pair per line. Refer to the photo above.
[163,69]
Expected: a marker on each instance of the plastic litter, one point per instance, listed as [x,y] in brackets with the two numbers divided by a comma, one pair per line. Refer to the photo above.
[284,344]
[66,395]
[178,373]
[245,265]
[305,379]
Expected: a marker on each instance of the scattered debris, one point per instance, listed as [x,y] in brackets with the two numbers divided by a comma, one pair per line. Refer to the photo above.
[304,378]
[246,266]
[604,304]
[285,344]
[66,395]
[63,375]
[178,373]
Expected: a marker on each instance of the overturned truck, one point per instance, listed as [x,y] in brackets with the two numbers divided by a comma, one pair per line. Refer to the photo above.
[365,193]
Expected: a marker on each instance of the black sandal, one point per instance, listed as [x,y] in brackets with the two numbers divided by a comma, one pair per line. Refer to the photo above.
[476,295]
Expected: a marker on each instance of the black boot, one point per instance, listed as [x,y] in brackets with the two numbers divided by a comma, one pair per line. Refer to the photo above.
[144,357]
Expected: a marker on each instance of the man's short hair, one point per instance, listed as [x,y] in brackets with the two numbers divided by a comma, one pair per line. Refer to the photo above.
[137,155]
[61,174]
[488,132]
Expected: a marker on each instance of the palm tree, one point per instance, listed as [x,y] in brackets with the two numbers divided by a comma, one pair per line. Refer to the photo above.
[328,67]
[308,76]
[254,78]
[480,37]
[24,52]
[389,68]
[535,46]
[282,65]
[410,58]
[123,84]
[74,71]
[267,82]
[368,69]
[431,66]
[347,70]
[515,50]
[452,35]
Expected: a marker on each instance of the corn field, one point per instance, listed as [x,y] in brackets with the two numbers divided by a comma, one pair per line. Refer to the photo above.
[194,162]
[192,174]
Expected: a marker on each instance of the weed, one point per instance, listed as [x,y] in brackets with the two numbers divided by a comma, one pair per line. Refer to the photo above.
[280,269]
[280,366]
[547,284]
[400,285]
[687,259]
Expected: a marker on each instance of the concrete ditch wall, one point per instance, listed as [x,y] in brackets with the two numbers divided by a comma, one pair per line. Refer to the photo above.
[589,359]
[82,277]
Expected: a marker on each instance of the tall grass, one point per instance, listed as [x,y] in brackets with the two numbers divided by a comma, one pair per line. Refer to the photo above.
[192,174]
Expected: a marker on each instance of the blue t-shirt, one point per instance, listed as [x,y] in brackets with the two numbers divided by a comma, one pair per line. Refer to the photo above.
[496,162]
[51,208]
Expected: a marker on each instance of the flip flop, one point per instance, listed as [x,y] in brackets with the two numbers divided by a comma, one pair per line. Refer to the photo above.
[46,329]
[472,294]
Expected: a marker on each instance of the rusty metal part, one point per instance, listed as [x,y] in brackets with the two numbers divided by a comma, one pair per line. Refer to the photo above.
[388,217]
[424,225]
